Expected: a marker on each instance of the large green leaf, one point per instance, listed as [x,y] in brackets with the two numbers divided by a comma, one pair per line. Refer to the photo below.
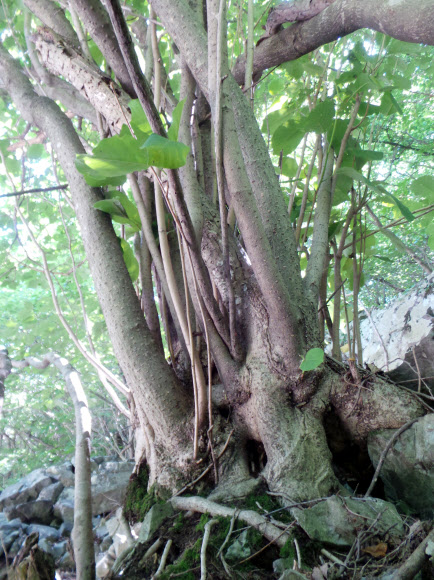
[320,118]
[287,137]
[122,154]
[164,153]
[113,157]
[389,105]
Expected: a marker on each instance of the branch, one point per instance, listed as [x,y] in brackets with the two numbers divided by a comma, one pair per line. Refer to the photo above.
[412,22]
[97,22]
[36,190]
[252,518]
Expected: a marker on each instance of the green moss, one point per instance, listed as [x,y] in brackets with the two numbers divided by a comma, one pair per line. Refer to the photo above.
[189,559]
[288,549]
[269,504]
[204,519]
[138,500]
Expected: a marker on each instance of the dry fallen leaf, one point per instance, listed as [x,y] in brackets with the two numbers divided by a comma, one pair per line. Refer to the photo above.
[378,551]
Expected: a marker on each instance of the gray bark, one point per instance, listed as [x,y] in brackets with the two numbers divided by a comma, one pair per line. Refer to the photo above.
[152,385]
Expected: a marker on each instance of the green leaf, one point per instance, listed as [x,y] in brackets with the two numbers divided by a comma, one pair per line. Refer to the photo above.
[389,105]
[276,119]
[289,167]
[97,181]
[320,118]
[139,122]
[35,151]
[314,357]
[173,131]
[276,86]
[286,138]
[164,153]
[113,157]
[294,69]
[379,189]
[130,259]
[424,187]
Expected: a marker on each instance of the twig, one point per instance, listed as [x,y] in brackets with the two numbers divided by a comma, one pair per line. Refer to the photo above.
[419,377]
[331,557]
[222,547]
[155,546]
[205,541]
[269,544]
[415,562]
[386,451]
[163,559]
[35,190]
[297,549]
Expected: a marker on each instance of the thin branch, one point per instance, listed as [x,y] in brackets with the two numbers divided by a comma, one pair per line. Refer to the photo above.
[386,451]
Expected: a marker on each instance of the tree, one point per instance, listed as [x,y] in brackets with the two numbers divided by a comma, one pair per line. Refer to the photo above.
[226,258]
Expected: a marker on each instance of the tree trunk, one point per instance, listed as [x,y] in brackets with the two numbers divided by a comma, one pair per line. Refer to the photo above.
[256,314]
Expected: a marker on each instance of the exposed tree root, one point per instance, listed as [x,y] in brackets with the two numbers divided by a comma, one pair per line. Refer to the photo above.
[260,523]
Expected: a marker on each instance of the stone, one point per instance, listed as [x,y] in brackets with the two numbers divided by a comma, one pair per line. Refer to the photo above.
[66,562]
[63,472]
[45,532]
[40,512]
[240,549]
[57,549]
[119,531]
[408,469]
[407,331]
[66,529]
[336,521]
[64,507]
[26,489]
[109,486]
[52,492]
[158,513]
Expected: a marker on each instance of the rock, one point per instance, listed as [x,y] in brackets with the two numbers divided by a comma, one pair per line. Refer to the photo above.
[66,529]
[405,325]
[331,522]
[408,470]
[26,489]
[282,564]
[64,507]
[40,512]
[52,492]
[45,532]
[63,473]
[66,562]
[109,485]
[120,533]
[57,549]
[10,532]
[153,520]
[292,575]
[240,549]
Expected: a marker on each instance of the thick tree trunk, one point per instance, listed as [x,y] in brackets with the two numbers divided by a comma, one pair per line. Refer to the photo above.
[275,410]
